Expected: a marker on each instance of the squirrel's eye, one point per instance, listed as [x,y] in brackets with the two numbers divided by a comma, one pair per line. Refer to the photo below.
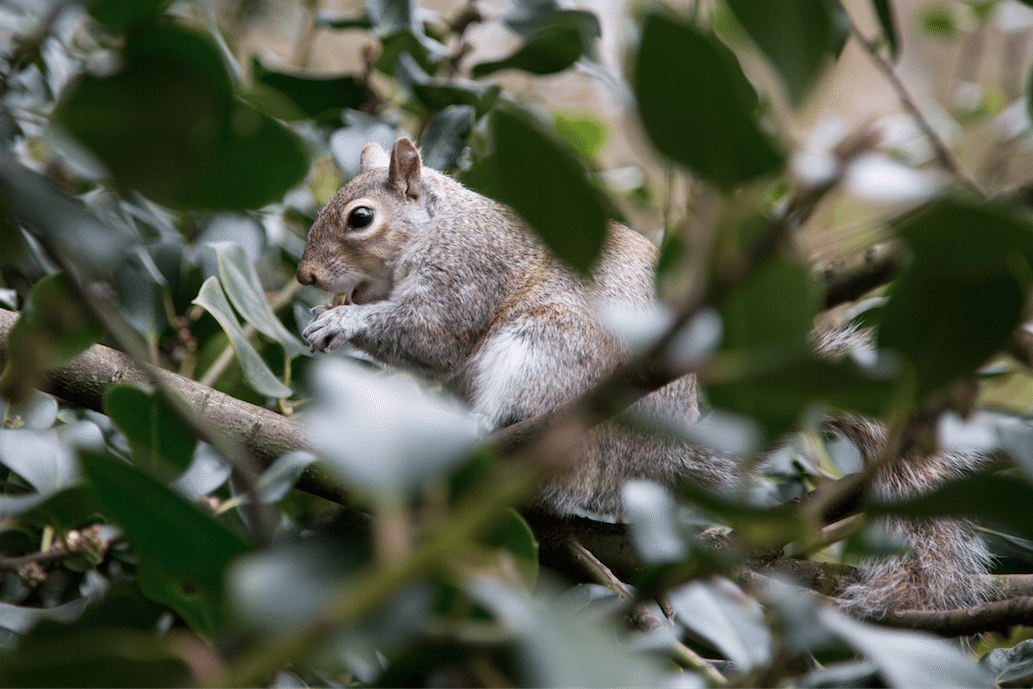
[360,217]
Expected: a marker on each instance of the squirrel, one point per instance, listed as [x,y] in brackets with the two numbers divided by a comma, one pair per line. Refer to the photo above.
[453,286]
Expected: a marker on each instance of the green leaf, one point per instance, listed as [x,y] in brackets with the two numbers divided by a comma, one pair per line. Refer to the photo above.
[1010,664]
[240,281]
[344,20]
[798,36]
[183,551]
[779,397]
[907,658]
[512,533]
[884,11]
[552,49]
[548,187]
[965,256]
[1002,500]
[446,136]
[169,125]
[483,177]
[319,97]
[162,444]
[938,21]
[775,305]
[697,106]
[54,655]
[54,328]
[392,17]
[719,612]
[525,17]
[758,525]
[438,94]
[256,372]
[120,14]
[585,134]
[59,219]
[46,459]
[20,619]
[69,508]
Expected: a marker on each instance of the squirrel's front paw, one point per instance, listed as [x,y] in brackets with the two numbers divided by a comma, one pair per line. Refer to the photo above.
[328,330]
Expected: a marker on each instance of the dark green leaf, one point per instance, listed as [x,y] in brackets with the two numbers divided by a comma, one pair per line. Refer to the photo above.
[120,14]
[775,305]
[446,136]
[767,320]
[527,16]
[697,106]
[183,551]
[70,508]
[162,445]
[344,20]
[798,36]
[997,499]
[160,523]
[778,398]
[483,177]
[53,329]
[168,125]
[884,11]
[548,187]
[56,656]
[60,220]
[438,94]
[512,533]
[320,97]
[553,49]
[392,17]
[965,257]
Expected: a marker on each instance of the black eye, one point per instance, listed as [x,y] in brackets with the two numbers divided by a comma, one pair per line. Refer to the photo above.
[360,217]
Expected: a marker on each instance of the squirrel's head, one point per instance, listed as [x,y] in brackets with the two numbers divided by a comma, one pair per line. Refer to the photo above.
[353,245]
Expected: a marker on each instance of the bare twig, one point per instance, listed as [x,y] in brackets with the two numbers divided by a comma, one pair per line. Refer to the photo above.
[641,616]
[944,155]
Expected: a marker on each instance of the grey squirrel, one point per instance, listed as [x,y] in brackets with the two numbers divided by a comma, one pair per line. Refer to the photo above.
[451,285]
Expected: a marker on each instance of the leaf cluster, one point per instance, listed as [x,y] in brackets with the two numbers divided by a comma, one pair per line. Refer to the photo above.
[154,199]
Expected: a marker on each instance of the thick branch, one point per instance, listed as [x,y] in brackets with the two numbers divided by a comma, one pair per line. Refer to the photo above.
[266,434]
[850,279]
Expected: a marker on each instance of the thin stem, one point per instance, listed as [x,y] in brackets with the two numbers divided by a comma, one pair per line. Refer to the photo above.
[641,616]
[944,155]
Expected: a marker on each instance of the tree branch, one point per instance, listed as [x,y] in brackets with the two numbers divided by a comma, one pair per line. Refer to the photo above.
[266,434]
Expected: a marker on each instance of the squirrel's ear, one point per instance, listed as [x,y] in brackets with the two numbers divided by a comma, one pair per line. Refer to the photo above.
[373,158]
[403,174]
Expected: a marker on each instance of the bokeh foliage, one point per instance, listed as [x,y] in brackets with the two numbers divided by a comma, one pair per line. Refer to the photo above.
[155,199]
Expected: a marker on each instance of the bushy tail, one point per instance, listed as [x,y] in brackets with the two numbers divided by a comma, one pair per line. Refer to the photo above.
[945,559]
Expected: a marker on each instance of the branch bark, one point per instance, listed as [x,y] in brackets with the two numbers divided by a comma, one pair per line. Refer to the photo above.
[266,434]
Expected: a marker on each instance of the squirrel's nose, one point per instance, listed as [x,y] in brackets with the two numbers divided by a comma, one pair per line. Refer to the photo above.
[306,275]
